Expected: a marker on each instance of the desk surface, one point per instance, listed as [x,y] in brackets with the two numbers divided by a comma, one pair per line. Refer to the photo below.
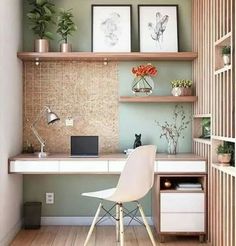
[105,157]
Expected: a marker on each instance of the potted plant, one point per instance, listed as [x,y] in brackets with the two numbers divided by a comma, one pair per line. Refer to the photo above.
[224,153]
[181,87]
[226,51]
[66,27]
[206,128]
[143,84]
[40,17]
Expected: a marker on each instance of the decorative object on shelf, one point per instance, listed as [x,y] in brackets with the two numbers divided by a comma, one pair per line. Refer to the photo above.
[111,28]
[206,128]
[181,87]
[158,28]
[173,131]
[65,28]
[143,83]
[137,141]
[51,118]
[40,17]
[167,184]
[29,149]
[226,51]
[224,153]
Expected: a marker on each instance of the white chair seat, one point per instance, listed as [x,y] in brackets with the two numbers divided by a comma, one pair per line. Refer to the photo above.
[102,194]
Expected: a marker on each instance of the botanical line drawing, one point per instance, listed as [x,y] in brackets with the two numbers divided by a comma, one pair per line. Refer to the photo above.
[111,29]
[157,29]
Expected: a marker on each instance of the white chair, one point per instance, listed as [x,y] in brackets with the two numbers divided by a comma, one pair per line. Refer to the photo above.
[135,181]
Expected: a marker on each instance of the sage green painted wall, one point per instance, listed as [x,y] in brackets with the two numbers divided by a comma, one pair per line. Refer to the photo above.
[133,118]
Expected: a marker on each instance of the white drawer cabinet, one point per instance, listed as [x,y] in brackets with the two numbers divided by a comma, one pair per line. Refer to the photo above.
[182,222]
[83,166]
[180,166]
[182,202]
[34,166]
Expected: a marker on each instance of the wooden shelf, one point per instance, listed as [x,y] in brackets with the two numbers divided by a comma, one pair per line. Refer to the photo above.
[202,116]
[181,191]
[202,140]
[224,69]
[158,99]
[227,139]
[225,40]
[107,56]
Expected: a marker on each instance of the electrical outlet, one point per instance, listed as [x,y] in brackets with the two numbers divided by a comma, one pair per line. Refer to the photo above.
[69,121]
[49,198]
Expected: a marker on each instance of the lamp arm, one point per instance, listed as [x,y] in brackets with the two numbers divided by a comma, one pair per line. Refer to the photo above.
[40,139]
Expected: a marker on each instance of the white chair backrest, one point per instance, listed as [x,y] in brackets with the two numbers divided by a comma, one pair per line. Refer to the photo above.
[138,175]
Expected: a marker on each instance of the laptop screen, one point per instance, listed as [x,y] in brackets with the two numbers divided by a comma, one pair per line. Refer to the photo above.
[84,145]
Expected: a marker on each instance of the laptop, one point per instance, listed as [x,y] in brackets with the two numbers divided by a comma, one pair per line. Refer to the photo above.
[84,146]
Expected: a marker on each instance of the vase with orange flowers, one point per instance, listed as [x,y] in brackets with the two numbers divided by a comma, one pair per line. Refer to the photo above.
[143,83]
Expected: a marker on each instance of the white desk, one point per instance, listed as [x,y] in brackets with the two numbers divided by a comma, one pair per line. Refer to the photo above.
[104,164]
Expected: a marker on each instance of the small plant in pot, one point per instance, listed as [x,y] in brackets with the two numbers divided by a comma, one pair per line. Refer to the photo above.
[66,27]
[224,153]
[181,87]
[40,17]
[226,51]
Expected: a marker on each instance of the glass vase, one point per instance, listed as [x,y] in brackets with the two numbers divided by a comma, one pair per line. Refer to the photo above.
[172,147]
[142,86]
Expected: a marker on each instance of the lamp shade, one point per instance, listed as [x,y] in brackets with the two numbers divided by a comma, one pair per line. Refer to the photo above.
[51,117]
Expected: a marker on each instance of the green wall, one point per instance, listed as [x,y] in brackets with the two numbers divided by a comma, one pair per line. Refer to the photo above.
[133,118]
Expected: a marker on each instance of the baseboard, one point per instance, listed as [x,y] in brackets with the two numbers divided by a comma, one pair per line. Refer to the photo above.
[85,221]
[7,239]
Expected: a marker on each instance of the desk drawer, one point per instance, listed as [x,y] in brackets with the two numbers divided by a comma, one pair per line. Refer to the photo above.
[116,166]
[34,166]
[180,166]
[84,166]
[182,222]
[182,202]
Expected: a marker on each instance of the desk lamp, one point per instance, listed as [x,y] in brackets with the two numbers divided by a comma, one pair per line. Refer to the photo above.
[51,118]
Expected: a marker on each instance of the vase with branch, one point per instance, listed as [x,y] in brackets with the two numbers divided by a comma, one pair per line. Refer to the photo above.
[143,83]
[174,130]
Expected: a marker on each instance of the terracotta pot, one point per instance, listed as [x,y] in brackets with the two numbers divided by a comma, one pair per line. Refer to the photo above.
[224,158]
[65,47]
[41,45]
[181,91]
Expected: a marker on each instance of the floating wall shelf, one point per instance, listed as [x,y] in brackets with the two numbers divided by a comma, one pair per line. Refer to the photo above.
[158,99]
[94,56]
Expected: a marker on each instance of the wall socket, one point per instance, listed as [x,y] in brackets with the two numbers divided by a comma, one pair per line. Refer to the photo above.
[49,198]
[69,121]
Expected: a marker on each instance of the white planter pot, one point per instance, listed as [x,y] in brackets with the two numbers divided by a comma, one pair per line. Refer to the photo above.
[41,45]
[181,91]
[226,60]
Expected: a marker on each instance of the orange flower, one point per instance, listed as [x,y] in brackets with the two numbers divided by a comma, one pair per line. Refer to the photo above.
[144,70]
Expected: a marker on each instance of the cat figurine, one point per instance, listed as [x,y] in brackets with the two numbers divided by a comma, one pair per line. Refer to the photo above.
[137,141]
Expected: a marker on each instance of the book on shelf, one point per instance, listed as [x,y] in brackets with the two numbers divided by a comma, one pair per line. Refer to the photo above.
[188,189]
[189,185]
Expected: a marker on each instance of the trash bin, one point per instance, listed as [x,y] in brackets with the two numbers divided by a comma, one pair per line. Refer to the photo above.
[32,215]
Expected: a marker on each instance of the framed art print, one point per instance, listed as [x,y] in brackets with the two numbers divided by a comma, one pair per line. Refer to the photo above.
[111,28]
[158,28]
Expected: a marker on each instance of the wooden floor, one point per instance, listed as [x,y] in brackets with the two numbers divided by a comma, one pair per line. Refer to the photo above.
[102,236]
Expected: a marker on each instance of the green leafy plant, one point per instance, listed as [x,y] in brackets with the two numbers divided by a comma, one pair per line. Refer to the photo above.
[184,83]
[66,25]
[206,127]
[40,17]
[225,148]
[226,50]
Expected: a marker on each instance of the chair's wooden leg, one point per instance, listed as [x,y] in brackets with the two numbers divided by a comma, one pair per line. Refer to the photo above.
[117,222]
[146,225]
[93,225]
[121,226]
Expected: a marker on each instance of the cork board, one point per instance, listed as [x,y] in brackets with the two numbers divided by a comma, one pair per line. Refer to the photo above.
[85,91]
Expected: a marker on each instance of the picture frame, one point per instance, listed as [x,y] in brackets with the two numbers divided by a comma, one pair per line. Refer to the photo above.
[111,28]
[158,28]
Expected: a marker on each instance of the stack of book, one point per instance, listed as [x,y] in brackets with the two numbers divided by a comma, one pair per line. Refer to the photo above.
[188,186]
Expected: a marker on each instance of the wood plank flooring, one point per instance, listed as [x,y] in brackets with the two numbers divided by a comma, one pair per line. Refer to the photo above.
[102,236]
